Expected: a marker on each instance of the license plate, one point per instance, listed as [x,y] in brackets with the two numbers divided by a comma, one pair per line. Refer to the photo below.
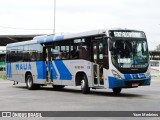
[135,85]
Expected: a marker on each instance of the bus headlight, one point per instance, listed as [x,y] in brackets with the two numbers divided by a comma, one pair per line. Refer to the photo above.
[116,75]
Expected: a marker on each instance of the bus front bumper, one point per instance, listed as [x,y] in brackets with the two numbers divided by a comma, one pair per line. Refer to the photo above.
[132,83]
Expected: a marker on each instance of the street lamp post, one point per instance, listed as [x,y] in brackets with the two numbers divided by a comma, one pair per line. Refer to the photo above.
[54,26]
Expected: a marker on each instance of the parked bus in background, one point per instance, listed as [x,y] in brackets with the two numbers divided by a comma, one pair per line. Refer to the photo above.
[115,59]
[2,58]
[155,63]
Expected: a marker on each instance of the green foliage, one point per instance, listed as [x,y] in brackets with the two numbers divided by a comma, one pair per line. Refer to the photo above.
[3,77]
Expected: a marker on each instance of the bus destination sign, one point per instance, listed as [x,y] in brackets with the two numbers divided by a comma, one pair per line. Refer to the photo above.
[128,34]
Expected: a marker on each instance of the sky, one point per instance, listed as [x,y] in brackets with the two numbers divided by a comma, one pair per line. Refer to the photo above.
[19,17]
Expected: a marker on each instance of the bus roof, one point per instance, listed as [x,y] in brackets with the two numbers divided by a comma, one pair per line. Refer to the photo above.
[50,38]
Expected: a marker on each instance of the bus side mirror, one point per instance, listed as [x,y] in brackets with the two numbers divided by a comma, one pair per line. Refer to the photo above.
[110,45]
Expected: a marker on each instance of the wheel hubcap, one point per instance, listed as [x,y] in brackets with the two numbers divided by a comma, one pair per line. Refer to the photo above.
[82,84]
[29,82]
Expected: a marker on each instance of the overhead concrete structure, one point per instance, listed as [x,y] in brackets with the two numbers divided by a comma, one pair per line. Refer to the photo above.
[5,39]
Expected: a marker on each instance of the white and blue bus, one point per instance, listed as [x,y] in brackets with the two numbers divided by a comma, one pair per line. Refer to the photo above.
[115,59]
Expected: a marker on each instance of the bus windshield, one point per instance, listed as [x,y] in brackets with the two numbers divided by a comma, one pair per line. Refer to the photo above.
[130,53]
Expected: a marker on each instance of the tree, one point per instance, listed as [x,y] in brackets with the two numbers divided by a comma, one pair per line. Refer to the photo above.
[158,48]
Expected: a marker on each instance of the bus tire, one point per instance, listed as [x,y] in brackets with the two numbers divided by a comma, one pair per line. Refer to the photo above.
[58,86]
[117,90]
[29,82]
[84,85]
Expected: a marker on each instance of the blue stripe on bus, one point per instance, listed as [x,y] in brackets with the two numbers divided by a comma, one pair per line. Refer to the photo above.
[118,83]
[64,72]
[50,39]
[41,40]
[41,70]
[59,37]
[142,75]
[115,83]
[127,76]
[53,72]
[9,70]
[135,76]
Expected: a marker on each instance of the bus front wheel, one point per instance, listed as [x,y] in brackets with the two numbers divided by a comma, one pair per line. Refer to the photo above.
[116,90]
[84,85]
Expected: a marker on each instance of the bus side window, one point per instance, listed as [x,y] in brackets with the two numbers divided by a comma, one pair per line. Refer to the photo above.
[26,53]
[83,52]
[74,52]
[56,54]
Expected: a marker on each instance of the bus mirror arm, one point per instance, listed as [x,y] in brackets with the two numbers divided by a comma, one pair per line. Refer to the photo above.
[105,38]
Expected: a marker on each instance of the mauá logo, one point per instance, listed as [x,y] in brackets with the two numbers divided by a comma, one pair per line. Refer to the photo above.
[23,66]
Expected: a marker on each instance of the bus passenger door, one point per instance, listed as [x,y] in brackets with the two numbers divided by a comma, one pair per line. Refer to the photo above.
[48,60]
[97,59]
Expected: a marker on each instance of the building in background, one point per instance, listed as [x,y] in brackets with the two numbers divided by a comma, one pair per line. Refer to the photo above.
[155,63]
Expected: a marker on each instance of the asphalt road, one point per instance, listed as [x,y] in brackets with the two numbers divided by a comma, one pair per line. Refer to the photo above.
[19,98]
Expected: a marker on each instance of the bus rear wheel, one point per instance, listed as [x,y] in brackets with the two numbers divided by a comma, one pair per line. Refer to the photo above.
[84,85]
[117,90]
[30,84]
